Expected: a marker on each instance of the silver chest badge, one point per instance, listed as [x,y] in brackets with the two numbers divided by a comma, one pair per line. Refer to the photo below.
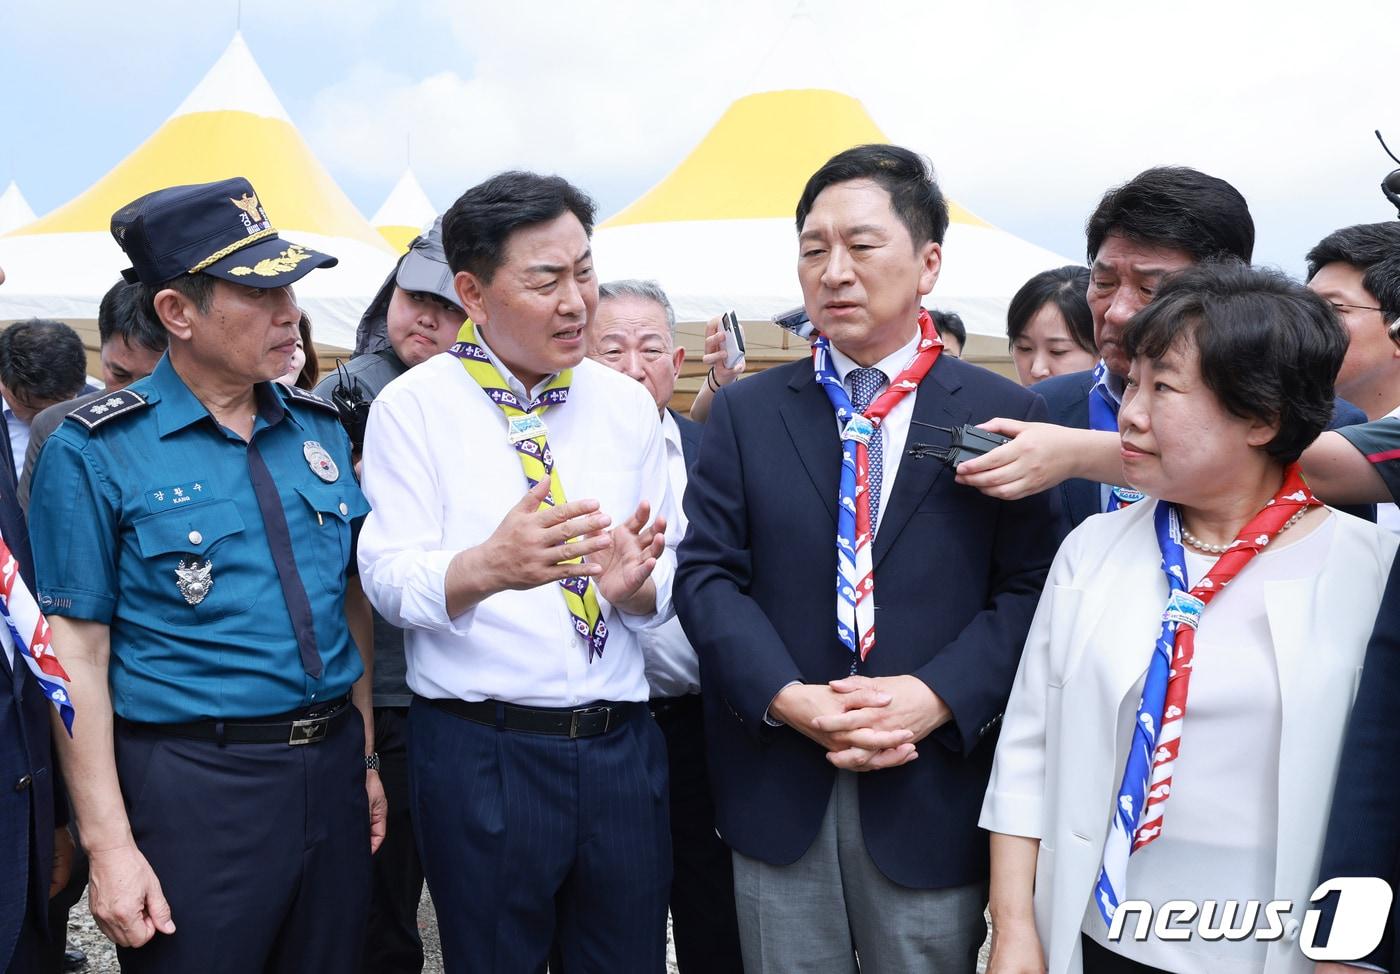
[195,579]
[320,461]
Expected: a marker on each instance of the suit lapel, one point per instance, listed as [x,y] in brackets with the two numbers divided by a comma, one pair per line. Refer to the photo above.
[934,404]
[811,422]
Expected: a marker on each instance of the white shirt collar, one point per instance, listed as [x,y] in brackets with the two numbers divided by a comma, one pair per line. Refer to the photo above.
[512,383]
[891,364]
[670,430]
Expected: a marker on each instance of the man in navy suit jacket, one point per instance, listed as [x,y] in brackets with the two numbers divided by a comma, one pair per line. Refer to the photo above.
[27,778]
[844,843]
[1162,220]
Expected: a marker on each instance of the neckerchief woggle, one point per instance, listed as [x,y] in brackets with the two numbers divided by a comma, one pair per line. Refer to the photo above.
[527,434]
[1103,416]
[1156,743]
[855,572]
[22,616]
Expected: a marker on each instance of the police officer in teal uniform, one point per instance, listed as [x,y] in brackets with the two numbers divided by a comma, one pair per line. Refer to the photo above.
[193,540]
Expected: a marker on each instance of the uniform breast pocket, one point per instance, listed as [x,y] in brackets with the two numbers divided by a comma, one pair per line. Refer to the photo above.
[190,564]
[332,508]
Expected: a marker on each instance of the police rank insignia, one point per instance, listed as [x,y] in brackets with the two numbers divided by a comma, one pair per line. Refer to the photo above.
[195,579]
[320,461]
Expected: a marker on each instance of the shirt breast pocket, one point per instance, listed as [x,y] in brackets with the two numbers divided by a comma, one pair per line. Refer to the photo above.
[334,507]
[181,551]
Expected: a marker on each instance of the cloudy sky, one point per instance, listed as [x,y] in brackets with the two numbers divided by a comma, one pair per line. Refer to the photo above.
[1028,110]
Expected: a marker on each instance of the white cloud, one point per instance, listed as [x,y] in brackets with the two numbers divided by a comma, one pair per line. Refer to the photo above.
[1029,110]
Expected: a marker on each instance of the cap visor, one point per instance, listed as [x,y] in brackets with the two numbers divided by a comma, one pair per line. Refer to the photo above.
[272,262]
[428,276]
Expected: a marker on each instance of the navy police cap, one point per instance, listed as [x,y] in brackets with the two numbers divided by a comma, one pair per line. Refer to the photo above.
[209,228]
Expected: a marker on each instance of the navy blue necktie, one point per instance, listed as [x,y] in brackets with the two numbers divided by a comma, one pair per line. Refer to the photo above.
[866,385]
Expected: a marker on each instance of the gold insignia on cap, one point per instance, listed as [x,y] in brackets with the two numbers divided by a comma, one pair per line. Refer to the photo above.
[249,204]
[283,263]
[220,254]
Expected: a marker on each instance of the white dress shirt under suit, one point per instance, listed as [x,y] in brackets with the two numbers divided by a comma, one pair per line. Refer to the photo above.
[672,668]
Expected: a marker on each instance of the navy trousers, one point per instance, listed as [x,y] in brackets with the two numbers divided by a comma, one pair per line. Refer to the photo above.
[262,850]
[393,944]
[523,835]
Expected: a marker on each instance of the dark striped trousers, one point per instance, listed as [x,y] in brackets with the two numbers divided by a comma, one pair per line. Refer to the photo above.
[527,835]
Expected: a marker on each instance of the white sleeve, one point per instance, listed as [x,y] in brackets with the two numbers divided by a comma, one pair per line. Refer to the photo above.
[402,565]
[656,489]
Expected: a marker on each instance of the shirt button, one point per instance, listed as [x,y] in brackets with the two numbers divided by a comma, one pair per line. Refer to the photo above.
[23,783]
[344,509]
[196,537]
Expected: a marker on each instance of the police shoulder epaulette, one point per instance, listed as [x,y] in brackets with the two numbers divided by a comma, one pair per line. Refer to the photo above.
[93,414]
[311,399]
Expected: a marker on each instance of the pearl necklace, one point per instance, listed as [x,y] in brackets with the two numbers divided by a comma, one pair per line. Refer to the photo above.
[1220,549]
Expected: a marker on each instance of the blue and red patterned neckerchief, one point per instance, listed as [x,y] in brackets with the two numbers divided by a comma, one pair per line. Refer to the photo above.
[1147,775]
[855,572]
[30,632]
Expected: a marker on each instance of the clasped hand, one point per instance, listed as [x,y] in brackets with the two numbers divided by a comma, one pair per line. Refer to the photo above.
[865,723]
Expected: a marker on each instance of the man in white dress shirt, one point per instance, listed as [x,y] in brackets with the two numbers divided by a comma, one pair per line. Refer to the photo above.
[512,482]
[634,332]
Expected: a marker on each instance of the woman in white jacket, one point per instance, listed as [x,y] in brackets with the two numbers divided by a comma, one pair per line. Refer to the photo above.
[1169,738]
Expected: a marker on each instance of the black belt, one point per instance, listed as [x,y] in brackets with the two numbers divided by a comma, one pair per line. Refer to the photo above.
[560,721]
[309,725]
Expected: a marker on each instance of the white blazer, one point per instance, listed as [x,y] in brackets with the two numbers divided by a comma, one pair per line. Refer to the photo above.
[1067,725]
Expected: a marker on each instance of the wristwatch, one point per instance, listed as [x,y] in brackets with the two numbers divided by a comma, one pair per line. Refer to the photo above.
[372,761]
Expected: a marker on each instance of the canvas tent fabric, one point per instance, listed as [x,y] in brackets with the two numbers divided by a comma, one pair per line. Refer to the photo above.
[405,213]
[232,124]
[717,232]
[14,209]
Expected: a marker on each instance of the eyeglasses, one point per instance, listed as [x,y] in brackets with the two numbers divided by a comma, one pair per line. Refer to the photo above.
[1341,308]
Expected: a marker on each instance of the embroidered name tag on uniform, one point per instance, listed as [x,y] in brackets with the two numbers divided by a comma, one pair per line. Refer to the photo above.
[860,429]
[1184,609]
[526,427]
[163,498]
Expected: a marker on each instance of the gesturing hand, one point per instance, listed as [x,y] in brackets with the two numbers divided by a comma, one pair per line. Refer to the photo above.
[625,578]
[126,898]
[530,546]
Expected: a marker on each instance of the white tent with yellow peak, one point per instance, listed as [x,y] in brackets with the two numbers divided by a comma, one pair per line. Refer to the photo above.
[718,231]
[232,124]
[405,213]
[14,209]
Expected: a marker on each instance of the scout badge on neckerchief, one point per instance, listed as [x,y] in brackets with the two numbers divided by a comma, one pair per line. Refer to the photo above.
[1103,416]
[855,573]
[1147,775]
[30,632]
[526,432]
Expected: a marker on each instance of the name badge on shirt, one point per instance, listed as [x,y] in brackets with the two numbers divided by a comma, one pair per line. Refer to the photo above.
[860,429]
[1184,609]
[526,427]
[175,495]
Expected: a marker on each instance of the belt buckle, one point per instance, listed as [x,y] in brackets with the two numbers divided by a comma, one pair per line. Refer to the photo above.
[308,731]
[589,712]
